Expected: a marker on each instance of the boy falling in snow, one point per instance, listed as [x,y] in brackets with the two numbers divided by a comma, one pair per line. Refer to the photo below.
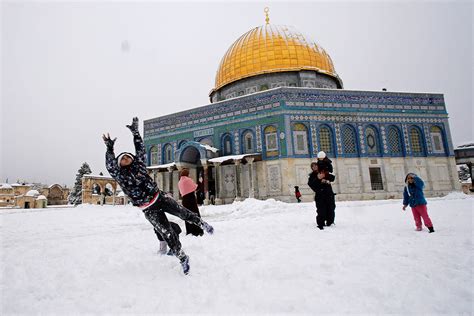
[131,174]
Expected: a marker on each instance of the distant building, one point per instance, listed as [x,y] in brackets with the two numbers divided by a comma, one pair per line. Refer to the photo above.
[24,195]
[97,189]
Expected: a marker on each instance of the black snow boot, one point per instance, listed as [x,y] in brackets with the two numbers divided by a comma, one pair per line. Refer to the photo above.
[321,227]
[431,229]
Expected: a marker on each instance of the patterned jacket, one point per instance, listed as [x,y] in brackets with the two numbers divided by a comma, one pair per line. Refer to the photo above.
[133,179]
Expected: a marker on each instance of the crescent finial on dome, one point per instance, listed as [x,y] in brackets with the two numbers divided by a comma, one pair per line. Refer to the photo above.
[267,19]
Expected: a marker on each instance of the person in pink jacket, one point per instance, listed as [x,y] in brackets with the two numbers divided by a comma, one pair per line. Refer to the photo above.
[187,188]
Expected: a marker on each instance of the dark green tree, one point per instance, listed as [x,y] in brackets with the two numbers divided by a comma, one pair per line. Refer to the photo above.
[75,197]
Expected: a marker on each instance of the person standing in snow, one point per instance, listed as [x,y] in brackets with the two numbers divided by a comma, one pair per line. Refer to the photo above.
[297,193]
[187,189]
[413,196]
[131,174]
[320,182]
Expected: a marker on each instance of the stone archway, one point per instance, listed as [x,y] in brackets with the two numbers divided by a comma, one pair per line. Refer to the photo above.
[88,196]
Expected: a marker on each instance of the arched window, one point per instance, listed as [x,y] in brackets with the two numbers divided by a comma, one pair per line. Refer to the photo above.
[325,139]
[248,143]
[168,154]
[437,139]
[154,155]
[96,189]
[300,139]
[416,141]
[181,143]
[371,139]
[227,145]
[349,144]
[271,140]
[394,141]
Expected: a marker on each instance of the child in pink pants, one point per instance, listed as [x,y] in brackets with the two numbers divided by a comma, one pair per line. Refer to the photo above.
[413,196]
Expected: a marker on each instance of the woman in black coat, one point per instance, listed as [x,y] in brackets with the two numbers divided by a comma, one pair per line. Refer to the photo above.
[187,188]
[320,183]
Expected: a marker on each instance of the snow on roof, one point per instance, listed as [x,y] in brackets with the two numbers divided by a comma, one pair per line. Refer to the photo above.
[207,147]
[5,186]
[121,194]
[96,176]
[231,157]
[41,197]
[465,146]
[32,193]
[52,185]
[20,185]
[165,166]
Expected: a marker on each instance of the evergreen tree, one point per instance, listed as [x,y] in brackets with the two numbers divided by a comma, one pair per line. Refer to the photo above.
[464,173]
[75,197]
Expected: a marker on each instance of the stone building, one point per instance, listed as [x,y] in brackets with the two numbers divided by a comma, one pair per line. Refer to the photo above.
[278,101]
[97,189]
[9,193]
[31,199]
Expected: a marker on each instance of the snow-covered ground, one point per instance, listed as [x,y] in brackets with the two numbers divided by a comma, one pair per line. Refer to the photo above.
[265,257]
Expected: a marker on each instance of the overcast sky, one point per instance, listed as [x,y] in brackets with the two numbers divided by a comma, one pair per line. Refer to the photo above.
[74,70]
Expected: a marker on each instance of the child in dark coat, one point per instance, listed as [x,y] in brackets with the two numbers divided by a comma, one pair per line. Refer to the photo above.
[297,193]
[413,196]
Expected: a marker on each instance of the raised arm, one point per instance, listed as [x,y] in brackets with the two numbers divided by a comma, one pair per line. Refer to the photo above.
[110,162]
[140,153]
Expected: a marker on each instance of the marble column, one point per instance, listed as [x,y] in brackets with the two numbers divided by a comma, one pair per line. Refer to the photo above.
[205,180]
[238,189]
[170,180]
[251,186]
[218,200]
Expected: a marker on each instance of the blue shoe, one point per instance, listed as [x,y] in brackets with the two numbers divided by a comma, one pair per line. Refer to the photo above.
[208,228]
[185,264]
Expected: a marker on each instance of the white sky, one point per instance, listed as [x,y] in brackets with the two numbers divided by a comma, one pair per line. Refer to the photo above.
[67,77]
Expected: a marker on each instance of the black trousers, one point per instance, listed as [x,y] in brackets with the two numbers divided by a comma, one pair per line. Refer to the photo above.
[155,214]
[325,209]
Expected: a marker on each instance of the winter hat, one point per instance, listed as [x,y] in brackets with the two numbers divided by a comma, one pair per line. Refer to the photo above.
[119,157]
[321,155]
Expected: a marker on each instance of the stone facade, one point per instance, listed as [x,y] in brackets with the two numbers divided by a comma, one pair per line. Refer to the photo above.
[100,190]
[373,138]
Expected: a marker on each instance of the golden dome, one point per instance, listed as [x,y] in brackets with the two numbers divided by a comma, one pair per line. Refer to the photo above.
[269,49]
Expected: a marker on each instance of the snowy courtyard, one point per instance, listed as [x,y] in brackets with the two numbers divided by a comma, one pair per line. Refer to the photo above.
[265,257]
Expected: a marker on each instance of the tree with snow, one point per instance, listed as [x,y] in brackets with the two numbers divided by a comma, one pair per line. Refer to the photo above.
[464,173]
[75,197]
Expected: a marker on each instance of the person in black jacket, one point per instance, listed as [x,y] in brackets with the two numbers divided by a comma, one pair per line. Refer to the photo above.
[320,182]
[131,174]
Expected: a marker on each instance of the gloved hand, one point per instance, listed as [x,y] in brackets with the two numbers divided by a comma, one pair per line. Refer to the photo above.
[108,141]
[134,126]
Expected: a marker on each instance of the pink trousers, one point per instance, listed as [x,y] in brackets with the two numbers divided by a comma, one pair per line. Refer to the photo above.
[420,211]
